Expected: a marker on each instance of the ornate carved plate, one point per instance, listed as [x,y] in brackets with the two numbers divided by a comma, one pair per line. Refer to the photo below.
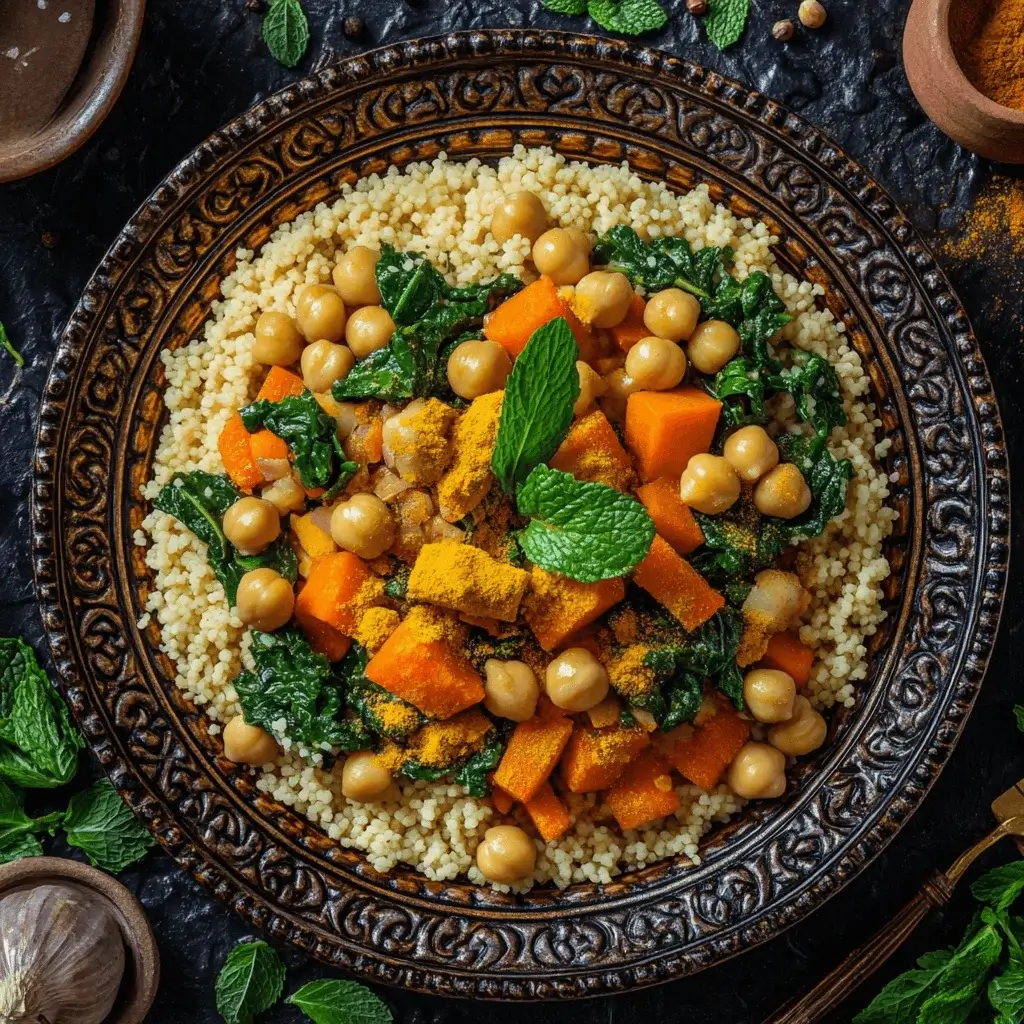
[478,94]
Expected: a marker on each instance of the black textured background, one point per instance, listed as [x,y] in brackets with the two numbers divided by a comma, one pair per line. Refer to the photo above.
[201,63]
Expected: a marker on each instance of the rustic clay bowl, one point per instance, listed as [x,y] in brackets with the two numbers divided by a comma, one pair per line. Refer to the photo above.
[142,959]
[108,59]
[966,115]
[477,95]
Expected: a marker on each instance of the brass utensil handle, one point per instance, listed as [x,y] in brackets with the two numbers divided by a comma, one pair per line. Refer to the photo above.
[865,960]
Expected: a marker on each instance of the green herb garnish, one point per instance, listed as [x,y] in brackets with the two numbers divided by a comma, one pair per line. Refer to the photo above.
[312,436]
[286,31]
[725,21]
[198,501]
[587,531]
[250,982]
[429,314]
[630,17]
[18,831]
[1018,714]
[537,410]
[8,347]
[102,825]
[340,1002]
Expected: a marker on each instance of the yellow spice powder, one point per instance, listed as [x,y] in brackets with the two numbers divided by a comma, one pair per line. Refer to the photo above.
[628,673]
[376,625]
[440,744]
[469,477]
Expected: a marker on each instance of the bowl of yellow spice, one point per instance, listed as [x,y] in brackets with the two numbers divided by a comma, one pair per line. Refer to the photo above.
[965,63]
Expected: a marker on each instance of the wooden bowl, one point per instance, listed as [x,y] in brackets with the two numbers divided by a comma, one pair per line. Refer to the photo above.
[142,959]
[966,115]
[605,101]
[100,79]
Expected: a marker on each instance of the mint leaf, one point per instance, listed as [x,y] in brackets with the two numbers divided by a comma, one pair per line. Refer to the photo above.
[286,32]
[18,831]
[1018,714]
[537,409]
[1000,886]
[1006,994]
[340,1002]
[102,825]
[725,21]
[900,1000]
[586,531]
[251,981]
[566,6]
[630,17]
[5,341]
[39,747]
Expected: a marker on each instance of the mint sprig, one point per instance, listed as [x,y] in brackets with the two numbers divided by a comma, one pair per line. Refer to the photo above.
[587,531]
[100,824]
[251,981]
[537,410]
[340,1002]
[725,21]
[630,17]
[286,31]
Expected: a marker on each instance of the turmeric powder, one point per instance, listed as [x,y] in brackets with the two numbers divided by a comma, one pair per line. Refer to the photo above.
[443,744]
[376,625]
[469,477]
[628,673]
[986,38]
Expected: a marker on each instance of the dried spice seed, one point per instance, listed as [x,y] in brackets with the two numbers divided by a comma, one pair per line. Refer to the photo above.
[697,7]
[811,14]
[783,30]
[353,28]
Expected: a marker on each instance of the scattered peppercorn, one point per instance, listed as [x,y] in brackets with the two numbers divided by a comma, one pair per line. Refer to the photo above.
[50,239]
[254,5]
[353,28]
[811,14]
[783,30]
[698,7]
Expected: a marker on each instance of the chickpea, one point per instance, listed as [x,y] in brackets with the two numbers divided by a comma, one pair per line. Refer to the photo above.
[672,314]
[618,387]
[507,855]
[655,364]
[591,386]
[364,778]
[769,694]
[782,492]
[777,598]
[560,254]
[368,329]
[576,680]
[709,484]
[804,732]
[355,277]
[363,525]
[323,363]
[811,14]
[511,689]
[477,368]
[286,495]
[321,313]
[278,341]
[249,744]
[519,213]
[758,772]
[265,600]
[751,452]
[605,296]
[712,344]
[252,525]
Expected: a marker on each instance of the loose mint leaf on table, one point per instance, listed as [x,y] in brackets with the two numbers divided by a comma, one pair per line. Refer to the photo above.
[630,17]
[286,31]
[1001,886]
[566,6]
[900,1000]
[340,1002]
[102,825]
[8,347]
[537,410]
[1006,994]
[251,981]
[587,531]
[1018,714]
[725,21]
[38,744]
[18,830]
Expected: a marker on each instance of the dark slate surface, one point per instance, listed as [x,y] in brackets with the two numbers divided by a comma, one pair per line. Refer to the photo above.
[201,63]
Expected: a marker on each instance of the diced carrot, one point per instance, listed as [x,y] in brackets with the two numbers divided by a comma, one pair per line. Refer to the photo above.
[591,452]
[556,607]
[632,329]
[546,709]
[421,665]
[512,324]
[548,814]
[665,429]
[533,751]
[503,803]
[672,516]
[644,792]
[595,758]
[338,590]
[788,653]
[235,447]
[677,585]
[265,444]
[606,713]
[280,383]
[324,639]
[315,541]
[707,752]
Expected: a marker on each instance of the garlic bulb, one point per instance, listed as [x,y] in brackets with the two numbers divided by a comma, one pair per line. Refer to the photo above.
[61,956]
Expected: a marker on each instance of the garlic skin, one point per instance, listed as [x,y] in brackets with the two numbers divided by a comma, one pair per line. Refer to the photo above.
[61,956]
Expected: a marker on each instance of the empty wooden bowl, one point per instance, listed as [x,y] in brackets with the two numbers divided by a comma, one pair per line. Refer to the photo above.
[102,70]
[966,115]
[142,960]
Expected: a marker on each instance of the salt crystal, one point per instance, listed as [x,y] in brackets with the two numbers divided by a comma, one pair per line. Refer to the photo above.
[65,18]
[42,4]
[12,53]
